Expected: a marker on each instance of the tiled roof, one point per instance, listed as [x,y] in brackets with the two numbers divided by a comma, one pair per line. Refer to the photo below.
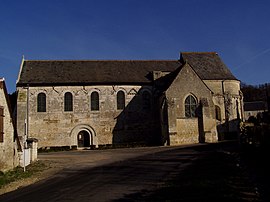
[255,106]
[208,65]
[92,72]
[97,72]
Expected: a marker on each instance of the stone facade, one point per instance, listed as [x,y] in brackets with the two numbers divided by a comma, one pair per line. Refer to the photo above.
[108,125]
[9,157]
[183,129]
[165,102]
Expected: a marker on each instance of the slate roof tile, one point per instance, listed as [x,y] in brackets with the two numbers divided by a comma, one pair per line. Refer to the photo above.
[208,65]
[92,72]
[97,72]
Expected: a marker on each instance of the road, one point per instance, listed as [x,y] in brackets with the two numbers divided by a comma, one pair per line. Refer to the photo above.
[110,175]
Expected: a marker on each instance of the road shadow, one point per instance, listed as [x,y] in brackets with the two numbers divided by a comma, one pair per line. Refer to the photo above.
[219,174]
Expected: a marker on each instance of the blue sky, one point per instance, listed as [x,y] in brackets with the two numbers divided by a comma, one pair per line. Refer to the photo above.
[238,30]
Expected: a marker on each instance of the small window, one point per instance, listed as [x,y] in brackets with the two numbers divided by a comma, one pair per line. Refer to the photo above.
[94,101]
[146,96]
[218,113]
[1,124]
[190,107]
[68,102]
[120,100]
[41,102]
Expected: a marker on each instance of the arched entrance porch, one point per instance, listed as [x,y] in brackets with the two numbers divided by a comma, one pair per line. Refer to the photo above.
[83,136]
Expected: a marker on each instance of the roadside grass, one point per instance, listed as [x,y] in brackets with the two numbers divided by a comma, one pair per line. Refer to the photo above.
[18,173]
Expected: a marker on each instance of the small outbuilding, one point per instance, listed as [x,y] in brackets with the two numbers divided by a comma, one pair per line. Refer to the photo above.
[254,109]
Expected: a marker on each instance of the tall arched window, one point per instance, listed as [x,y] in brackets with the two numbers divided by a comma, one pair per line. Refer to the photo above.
[190,107]
[120,100]
[41,102]
[94,101]
[146,96]
[218,112]
[68,102]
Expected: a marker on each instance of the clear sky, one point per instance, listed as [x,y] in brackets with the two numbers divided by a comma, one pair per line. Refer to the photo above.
[238,30]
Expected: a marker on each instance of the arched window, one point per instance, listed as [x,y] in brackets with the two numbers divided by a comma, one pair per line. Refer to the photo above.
[146,96]
[190,107]
[94,101]
[68,102]
[218,112]
[41,102]
[120,100]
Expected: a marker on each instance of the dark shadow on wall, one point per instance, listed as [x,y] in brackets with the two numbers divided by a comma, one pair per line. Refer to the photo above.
[164,124]
[229,130]
[139,122]
[200,123]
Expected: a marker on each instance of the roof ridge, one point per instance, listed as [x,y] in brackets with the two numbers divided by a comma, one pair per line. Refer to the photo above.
[95,60]
[212,52]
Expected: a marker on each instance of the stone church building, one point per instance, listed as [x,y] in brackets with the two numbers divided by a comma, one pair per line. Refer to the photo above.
[87,103]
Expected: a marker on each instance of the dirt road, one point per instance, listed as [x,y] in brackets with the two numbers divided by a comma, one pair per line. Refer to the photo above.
[140,174]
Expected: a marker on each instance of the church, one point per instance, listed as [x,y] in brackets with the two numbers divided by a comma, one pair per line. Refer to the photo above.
[92,103]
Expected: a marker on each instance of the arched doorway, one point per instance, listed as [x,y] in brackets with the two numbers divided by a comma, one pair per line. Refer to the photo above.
[83,136]
[84,139]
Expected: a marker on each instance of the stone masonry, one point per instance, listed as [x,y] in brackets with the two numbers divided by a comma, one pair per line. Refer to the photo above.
[191,100]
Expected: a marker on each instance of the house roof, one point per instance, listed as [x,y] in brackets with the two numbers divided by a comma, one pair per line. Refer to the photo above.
[96,72]
[208,65]
[4,88]
[255,106]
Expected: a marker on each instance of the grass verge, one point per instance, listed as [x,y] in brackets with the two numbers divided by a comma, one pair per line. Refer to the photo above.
[18,173]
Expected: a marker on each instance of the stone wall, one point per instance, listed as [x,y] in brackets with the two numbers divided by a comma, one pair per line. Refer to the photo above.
[227,91]
[195,129]
[108,125]
[8,148]
[228,97]
[187,132]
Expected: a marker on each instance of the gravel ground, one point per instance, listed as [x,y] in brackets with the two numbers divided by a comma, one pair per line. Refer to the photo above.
[223,172]
[56,161]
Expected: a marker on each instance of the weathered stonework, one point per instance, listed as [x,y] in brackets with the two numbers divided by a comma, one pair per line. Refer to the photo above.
[9,157]
[61,127]
[157,118]
[187,130]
